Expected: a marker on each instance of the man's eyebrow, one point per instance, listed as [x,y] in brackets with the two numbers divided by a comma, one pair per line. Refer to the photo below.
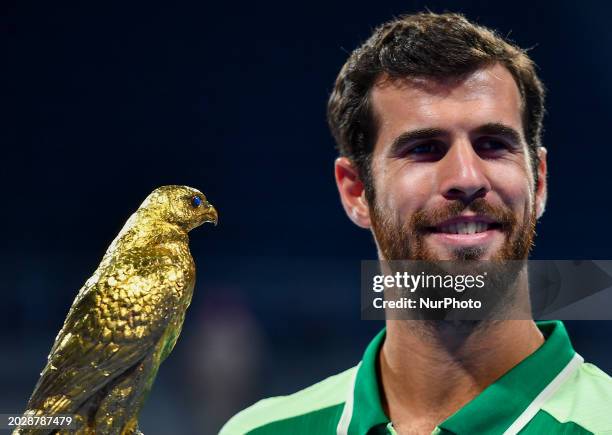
[499,129]
[491,128]
[409,136]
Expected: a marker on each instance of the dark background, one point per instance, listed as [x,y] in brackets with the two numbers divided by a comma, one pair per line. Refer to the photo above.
[102,104]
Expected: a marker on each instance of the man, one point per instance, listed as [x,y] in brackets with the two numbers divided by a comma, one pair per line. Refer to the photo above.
[438,122]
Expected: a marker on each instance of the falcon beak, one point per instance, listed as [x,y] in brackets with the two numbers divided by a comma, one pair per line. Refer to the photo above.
[210,215]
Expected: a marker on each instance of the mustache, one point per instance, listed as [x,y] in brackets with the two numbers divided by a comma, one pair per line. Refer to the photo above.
[424,220]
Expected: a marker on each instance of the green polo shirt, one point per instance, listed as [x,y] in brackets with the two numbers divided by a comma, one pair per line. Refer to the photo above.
[552,391]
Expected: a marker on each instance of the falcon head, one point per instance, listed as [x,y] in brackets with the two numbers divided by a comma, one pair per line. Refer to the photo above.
[180,205]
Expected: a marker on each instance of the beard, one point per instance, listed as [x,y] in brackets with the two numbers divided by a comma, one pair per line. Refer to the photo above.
[399,240]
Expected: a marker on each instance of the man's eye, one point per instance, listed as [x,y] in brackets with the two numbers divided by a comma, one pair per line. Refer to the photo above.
[426,148]
[492,145]
[429,151]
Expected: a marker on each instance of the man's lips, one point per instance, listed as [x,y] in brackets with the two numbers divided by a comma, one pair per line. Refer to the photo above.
[465,225]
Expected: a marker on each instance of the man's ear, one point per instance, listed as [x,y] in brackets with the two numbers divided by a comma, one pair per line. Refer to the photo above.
[541,193]
[352,192]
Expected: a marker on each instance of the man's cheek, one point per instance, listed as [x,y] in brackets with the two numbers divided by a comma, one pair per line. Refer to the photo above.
[414,187]
[513,186]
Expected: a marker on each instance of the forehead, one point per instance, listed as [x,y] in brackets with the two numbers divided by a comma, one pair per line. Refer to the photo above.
[489,94]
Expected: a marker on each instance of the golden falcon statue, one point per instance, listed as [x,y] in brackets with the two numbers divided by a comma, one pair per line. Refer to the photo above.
[125,320]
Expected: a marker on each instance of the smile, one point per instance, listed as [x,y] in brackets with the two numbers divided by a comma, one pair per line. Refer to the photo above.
[466,225]
[466,228]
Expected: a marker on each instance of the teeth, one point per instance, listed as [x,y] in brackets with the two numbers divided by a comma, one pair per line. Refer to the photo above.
[464,228]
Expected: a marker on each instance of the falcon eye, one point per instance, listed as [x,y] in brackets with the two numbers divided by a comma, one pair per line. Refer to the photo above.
[196,201]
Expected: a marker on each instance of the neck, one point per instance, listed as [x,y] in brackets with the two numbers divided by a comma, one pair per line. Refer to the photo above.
[143,229]
[425,368]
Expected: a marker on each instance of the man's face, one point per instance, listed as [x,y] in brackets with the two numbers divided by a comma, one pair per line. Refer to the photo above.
[451,169]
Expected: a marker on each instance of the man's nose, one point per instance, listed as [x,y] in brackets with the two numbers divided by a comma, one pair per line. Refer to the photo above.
[463,173]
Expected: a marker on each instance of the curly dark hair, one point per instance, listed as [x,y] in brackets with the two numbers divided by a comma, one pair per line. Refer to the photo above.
[424,45]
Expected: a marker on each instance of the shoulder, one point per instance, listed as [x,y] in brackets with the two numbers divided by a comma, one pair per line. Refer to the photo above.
[585,399]
[315,402]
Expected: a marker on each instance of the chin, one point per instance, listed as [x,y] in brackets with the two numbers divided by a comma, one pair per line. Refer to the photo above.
[467,253]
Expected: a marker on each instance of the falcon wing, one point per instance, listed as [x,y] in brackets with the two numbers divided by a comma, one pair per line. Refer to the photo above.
[115,322]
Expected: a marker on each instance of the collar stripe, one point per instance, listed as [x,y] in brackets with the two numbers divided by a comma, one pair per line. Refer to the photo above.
[544,395]
[347,412]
